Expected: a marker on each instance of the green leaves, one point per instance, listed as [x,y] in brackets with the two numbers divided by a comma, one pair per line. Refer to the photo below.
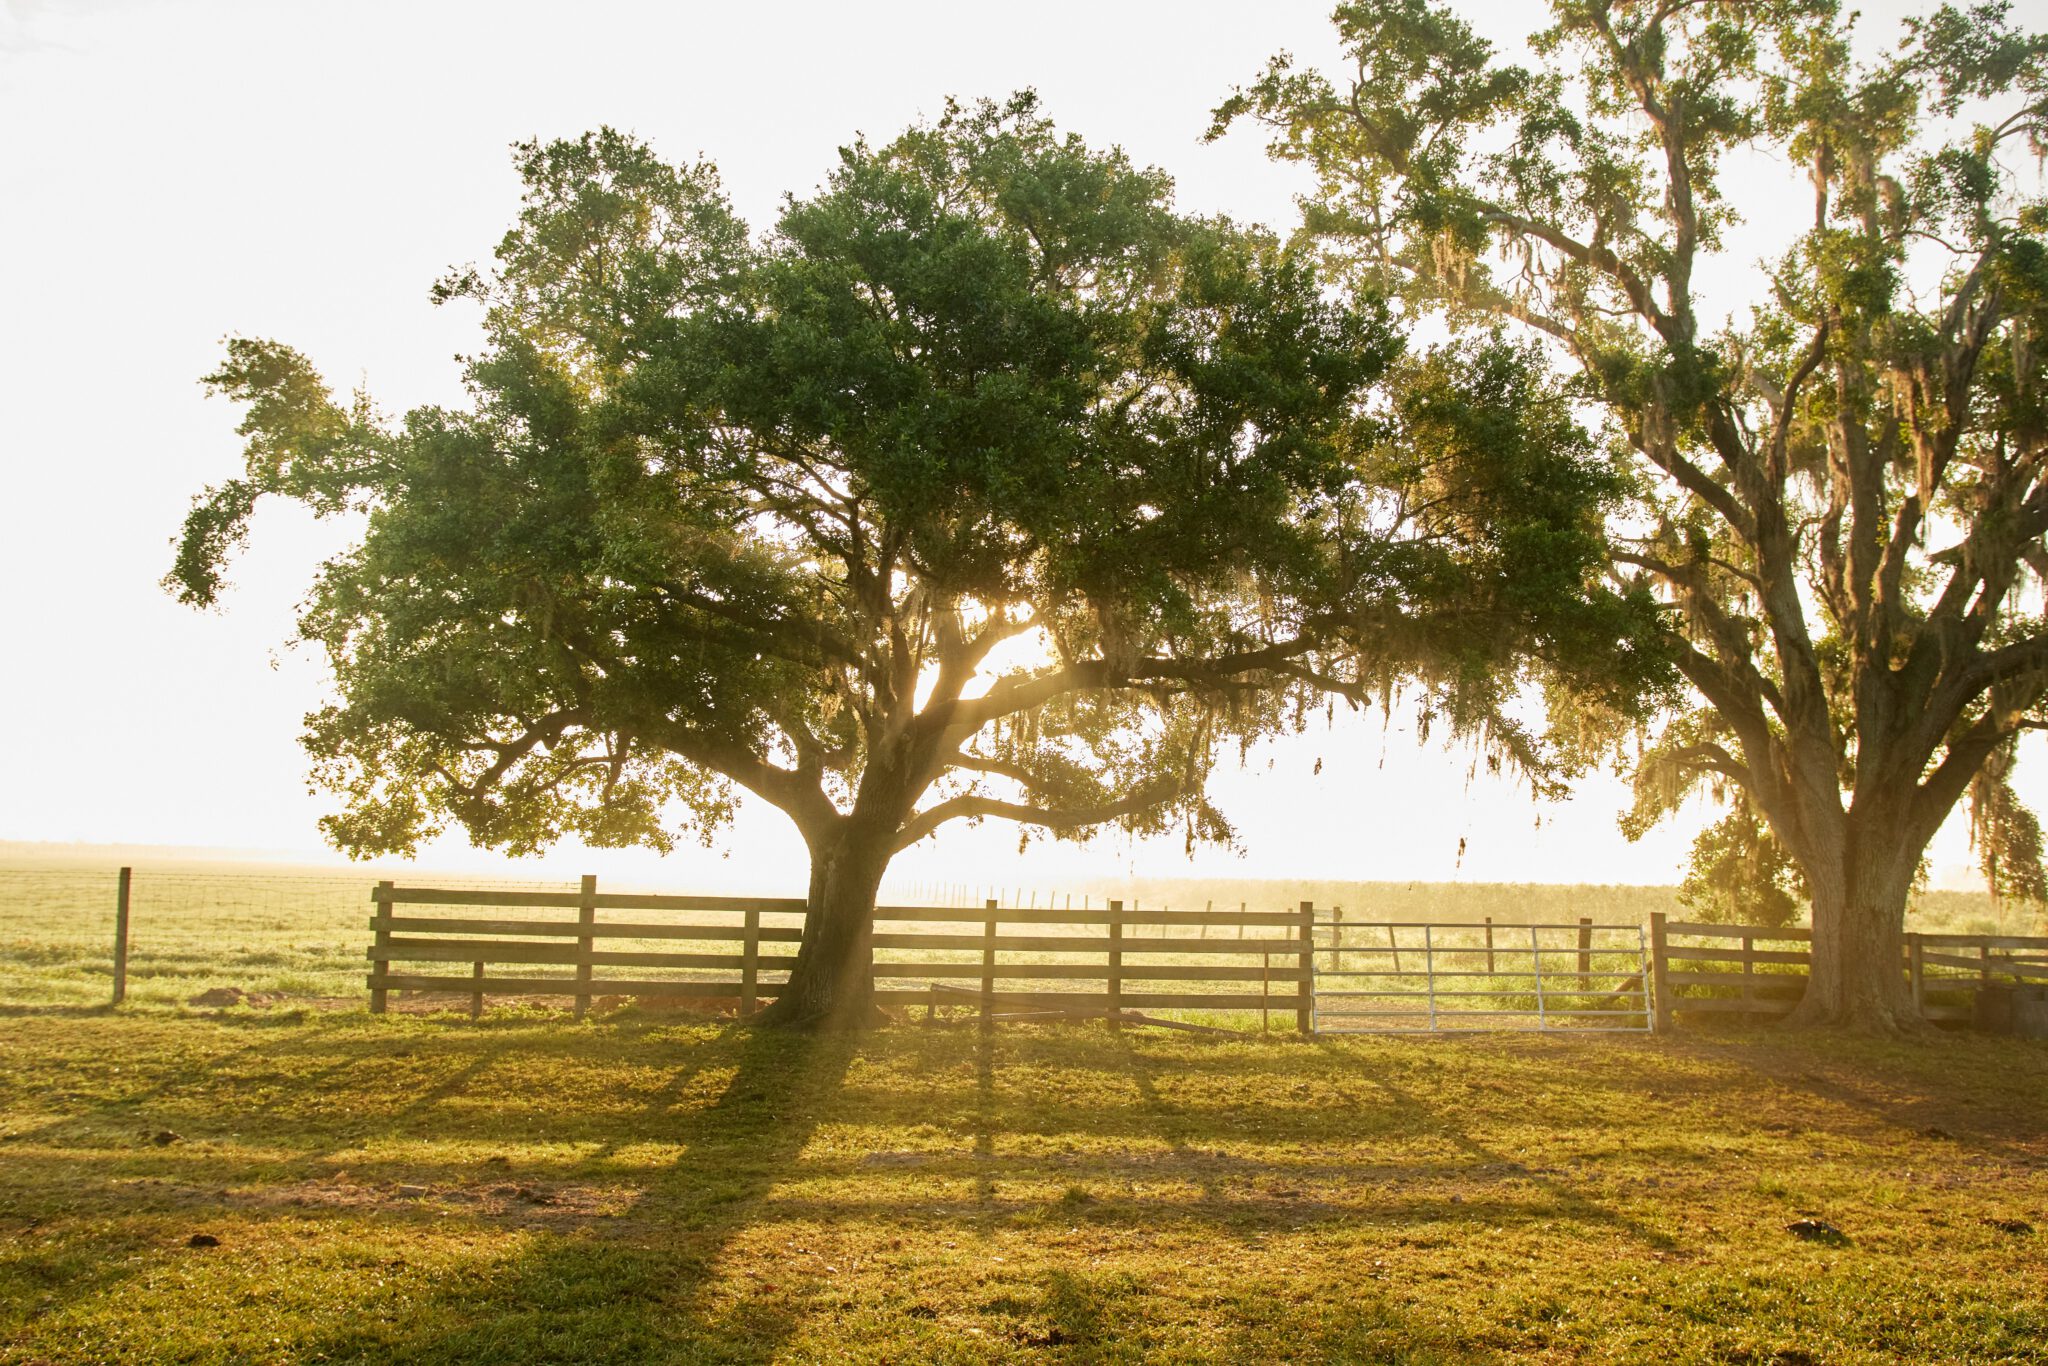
[298,442]
[611,243]
[1825,512]
[728,513]
[1739,874]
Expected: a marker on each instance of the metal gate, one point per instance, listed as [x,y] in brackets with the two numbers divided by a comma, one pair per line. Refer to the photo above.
[1415,976]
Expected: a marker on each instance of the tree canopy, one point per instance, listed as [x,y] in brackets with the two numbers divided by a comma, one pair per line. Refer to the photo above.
[1835,465]
[985,486]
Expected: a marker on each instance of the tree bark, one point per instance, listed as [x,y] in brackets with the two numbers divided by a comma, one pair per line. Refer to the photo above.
[1857,978]
[832,984]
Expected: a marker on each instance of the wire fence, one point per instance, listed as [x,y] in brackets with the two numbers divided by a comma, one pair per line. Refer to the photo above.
[259,936]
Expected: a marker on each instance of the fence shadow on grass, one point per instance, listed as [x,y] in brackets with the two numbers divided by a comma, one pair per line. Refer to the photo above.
[654,1285]
[1027,1137]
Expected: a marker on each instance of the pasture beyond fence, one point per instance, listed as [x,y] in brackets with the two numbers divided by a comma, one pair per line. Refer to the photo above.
[1438,976]
[294,936]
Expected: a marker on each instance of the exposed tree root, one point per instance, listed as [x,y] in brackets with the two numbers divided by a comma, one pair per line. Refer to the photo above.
[849,1018]
[1866,1020]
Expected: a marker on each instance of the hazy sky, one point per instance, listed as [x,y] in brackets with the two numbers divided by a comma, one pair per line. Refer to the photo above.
[177,171]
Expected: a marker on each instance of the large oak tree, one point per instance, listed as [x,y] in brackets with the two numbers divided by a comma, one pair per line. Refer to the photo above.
[986,486]
[1840,494]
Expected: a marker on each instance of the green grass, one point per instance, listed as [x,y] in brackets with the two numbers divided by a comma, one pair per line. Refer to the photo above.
[272,931]
[627,1190]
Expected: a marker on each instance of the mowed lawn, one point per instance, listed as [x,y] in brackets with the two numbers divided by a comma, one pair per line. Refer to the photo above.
[633,1189]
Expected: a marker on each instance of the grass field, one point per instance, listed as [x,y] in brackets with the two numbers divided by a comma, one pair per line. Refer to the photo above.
[527,1189]
[646,1188]
[277,932]
[297,934]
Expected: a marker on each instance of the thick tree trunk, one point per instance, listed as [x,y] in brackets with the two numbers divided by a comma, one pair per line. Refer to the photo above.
[832,984]
[1857,980]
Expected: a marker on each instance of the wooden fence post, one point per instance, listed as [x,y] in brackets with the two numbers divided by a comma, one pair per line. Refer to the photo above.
[1395,945]
[1916,976]
[1336,938]
[1304,1000]
[476,997]
[1748,971]
[1489,946]
[586,920]
[1660,983]
[988,970]
[1116,962]
[1585,950]
[379,964]
[121,936]
[1266,993]
[750,962]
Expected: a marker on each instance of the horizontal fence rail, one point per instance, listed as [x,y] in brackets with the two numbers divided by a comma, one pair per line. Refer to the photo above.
[738,952]
[1720,969]
[1109,961]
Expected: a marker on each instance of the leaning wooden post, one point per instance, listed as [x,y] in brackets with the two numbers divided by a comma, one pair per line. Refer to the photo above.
[1660,985]
[121,935]
[380,961]
[750,962]
[586,924]
[988,969]
[1585,950]
[1304,1002]
[1395,945]
[1116,962]
[1916,974]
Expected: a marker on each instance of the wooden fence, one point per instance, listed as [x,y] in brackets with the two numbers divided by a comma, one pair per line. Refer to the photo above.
[1700,969]
[737,951]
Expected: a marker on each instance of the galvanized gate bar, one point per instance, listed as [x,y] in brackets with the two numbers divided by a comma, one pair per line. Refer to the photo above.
[1440,993]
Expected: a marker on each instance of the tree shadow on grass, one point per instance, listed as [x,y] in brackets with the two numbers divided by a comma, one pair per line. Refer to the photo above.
[721,1254]
[64,1011]
[1568,1201]
[1793,1083]
[644,1286]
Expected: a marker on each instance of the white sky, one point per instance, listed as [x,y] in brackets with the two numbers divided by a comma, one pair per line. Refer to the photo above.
[176,171]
